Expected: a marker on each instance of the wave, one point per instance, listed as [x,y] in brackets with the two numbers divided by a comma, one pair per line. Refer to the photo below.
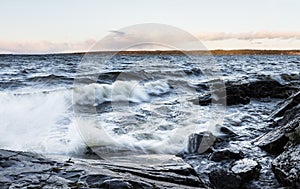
[49,77]
[45,121]
[39,122]
[119,91]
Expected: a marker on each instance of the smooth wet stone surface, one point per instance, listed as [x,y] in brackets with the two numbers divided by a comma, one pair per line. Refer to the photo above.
[247,169]
[287,167]
[28,170]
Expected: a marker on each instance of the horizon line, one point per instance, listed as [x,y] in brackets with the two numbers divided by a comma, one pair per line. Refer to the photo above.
[195,52]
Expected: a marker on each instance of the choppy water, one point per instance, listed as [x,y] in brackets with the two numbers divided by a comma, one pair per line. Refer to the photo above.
[61,103]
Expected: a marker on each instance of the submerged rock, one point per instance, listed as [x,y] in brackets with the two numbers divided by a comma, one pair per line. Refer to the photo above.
[28,170]
[247,169]
[226,154]
[200,143]
[286,167]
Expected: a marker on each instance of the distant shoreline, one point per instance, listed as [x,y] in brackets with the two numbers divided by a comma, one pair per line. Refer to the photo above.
[177,52]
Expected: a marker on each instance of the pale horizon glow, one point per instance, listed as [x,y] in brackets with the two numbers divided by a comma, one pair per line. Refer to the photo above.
[36,27]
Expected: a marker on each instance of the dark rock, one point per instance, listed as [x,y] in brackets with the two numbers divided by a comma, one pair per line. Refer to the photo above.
[286,167]
[235,99]
[225,180]
[275,140]
[240,93]
[28,170]
[203,100]
[286,105]
[287,116]
[116,184]
[237,93]
[290,77]
[268,88]
[247,169]
[200,143]
[226,154]
[227,131]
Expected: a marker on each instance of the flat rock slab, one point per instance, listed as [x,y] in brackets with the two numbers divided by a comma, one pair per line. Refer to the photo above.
[28,170]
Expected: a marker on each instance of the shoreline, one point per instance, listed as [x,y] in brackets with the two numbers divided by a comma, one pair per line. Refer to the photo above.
[177,52]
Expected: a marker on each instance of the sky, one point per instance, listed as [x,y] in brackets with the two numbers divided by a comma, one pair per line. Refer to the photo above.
[35,26]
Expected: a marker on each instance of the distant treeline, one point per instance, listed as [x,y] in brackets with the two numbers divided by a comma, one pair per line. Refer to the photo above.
[205,52]
[193,52]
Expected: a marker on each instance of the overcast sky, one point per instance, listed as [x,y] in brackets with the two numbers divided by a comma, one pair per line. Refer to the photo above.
[35,26]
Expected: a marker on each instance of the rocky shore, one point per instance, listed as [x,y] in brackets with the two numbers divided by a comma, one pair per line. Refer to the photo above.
[270,160]
[29,170]
[261,157]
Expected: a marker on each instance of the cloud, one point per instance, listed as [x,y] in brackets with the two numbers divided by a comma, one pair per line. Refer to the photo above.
[117,32]
[153,38]
[44,46]
[248,35]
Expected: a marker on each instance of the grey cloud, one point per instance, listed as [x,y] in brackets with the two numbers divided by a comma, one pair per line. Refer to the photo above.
[248,35]
[117,32]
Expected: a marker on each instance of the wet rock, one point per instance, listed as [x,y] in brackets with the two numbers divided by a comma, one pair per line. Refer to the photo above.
[28,170]
[226,154]
[247,169]
[286,105]
[275,140]
[203,100]
[286,167]
[222,179]
[226,130]
[268,88]
[290,77]
[237,93]
[287,116]
[235,99]
[201,142]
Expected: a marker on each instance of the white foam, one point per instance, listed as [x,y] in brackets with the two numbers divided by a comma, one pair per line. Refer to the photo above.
[38,122]
[131,91]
